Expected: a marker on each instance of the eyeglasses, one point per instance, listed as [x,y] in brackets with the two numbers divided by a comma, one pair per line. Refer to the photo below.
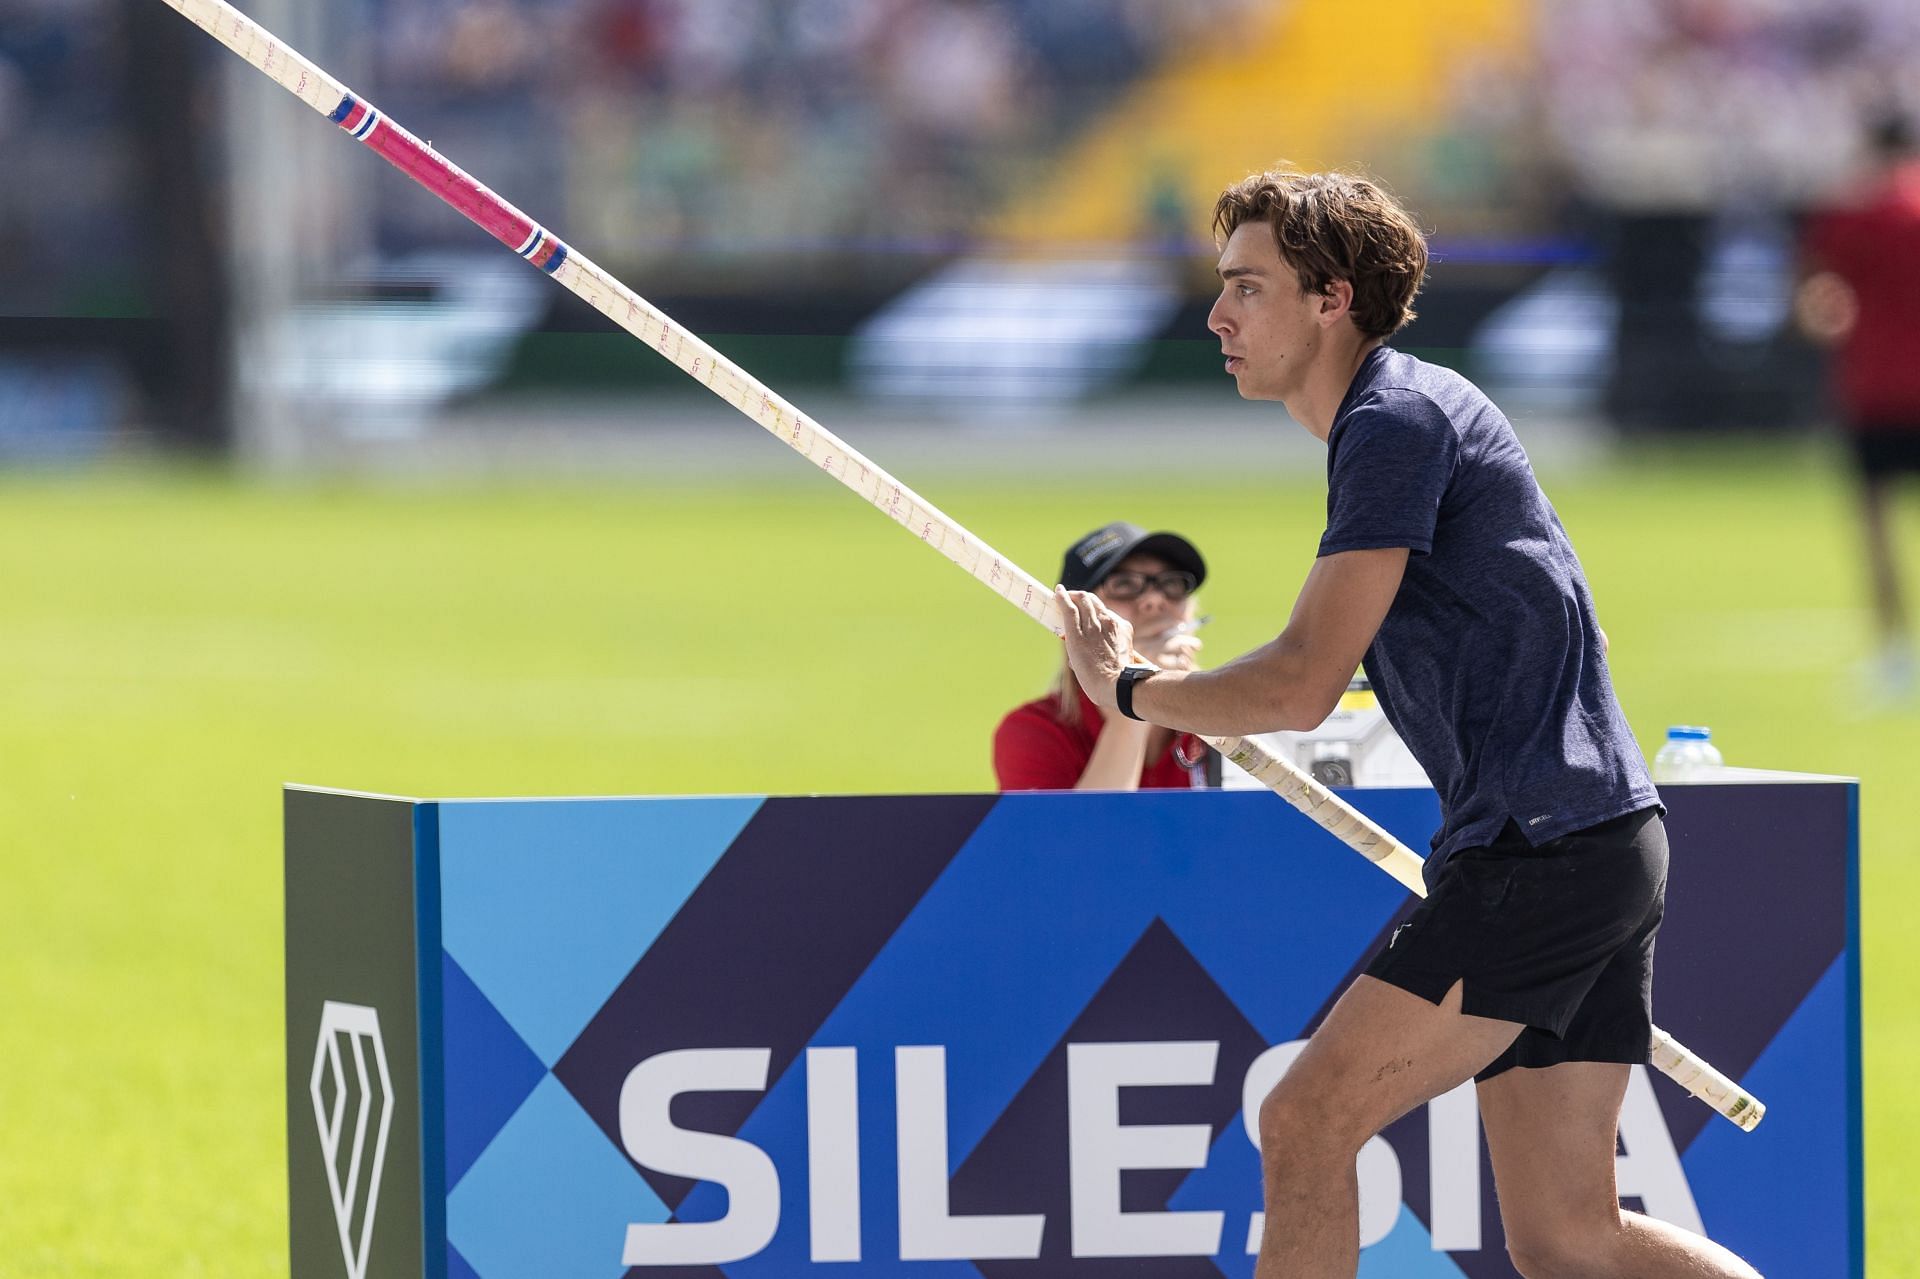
[1175,586]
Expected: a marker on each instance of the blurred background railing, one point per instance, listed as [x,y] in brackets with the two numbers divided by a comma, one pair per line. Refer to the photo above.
[985,210]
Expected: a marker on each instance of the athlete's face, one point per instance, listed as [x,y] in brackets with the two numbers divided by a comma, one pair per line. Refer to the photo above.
[1270,329]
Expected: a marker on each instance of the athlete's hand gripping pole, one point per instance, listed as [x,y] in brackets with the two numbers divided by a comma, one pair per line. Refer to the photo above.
[821,447]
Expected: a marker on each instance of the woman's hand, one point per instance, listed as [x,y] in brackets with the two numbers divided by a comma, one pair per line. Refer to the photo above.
[1172,648]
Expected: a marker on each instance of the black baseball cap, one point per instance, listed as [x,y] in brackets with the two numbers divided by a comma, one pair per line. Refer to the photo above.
[1090,559]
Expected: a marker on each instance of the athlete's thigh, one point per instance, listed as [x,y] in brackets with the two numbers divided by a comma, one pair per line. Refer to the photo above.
[1551,1134]
[1382,1051]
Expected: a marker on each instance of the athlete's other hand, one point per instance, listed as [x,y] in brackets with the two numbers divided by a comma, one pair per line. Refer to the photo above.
[1099,642]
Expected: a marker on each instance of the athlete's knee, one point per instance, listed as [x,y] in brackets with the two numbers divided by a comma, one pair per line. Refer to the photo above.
[1303,1125]
[1565,1252]
[1540,1259]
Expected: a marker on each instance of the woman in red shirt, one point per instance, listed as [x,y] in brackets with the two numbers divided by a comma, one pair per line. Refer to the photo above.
[1063,741]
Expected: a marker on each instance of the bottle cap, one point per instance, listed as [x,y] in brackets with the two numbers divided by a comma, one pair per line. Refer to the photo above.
[1689,733]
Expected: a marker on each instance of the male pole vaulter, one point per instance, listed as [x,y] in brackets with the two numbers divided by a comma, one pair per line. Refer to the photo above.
[1444,568]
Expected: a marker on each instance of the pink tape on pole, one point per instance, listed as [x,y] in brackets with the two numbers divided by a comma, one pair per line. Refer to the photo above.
[452,184]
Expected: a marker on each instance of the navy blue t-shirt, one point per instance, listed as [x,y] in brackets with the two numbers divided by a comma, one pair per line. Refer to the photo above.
[1489,663]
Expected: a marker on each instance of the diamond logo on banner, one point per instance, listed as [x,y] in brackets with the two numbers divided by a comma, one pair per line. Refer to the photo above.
[366,1098]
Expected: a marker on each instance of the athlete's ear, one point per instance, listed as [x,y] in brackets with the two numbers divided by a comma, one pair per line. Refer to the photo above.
[1336,302]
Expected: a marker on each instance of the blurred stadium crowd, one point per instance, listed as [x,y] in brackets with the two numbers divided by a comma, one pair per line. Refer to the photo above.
[1660,149]
[1673,104]
[778,120]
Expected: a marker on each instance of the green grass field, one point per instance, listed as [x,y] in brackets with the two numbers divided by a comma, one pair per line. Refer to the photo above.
[174,647]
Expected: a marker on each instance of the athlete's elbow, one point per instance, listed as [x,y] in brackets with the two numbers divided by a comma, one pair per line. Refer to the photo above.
[1298,687]
[1288,711]
[1270,694]
[1301,718]
[1307,708]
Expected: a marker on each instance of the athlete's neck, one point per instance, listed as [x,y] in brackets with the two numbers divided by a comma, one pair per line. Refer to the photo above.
[1320,396]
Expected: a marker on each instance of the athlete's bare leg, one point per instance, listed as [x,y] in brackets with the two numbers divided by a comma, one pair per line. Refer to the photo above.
[1552,1135]
[1380,1053]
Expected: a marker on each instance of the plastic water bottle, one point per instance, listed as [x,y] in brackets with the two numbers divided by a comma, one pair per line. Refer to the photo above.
[1688,753]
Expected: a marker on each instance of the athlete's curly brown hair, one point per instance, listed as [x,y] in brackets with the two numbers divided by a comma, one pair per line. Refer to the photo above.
[1335,226]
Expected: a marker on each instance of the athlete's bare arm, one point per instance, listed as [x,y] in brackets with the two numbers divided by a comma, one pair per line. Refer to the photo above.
[1292,682]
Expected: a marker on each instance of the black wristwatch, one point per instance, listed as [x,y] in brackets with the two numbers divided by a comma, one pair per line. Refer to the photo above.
[1123,687]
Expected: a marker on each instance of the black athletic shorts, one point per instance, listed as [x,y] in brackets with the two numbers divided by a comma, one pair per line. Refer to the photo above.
[1558,938]
[1886,451]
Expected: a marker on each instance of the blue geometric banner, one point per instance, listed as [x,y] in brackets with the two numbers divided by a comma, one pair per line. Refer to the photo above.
[1024,1036]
